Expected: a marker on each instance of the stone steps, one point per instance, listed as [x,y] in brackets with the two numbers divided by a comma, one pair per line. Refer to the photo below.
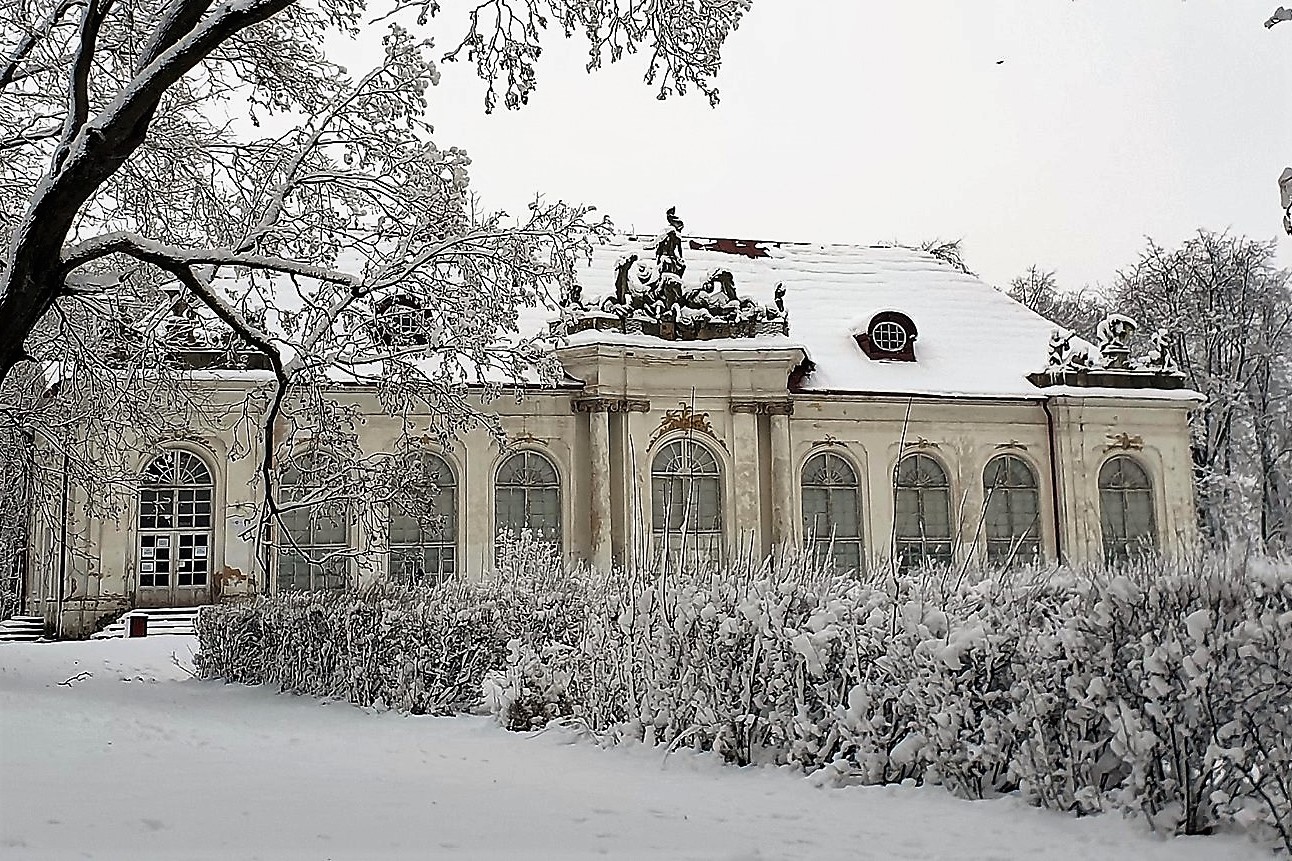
[161,620]
[22,629]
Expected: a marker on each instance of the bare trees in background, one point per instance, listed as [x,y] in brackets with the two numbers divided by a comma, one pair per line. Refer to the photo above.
[1079,310]
[1230,310]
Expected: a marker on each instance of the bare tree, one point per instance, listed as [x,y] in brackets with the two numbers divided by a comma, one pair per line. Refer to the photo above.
[1231,310]
[1079,310]
[139,196]
[949,251]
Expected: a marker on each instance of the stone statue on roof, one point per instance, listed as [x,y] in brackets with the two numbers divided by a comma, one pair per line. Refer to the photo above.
[650,298]
[668,247]
[1114,333]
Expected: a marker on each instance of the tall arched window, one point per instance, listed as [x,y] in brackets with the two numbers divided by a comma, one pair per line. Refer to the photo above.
[1012,512]
[922,512]
[527,496]
[424,530]
[832,510]
[1126,509]
[174,534]
[686,504]
[314,535]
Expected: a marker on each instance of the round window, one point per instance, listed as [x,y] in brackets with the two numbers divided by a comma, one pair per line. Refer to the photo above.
[888,336]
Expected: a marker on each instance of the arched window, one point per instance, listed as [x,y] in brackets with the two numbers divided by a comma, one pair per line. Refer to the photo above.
[424,530]
[527,496]
[1126,509]
[174,532]
[922,512]
[832,510]
[1012,512]
[686,504]
[314,534]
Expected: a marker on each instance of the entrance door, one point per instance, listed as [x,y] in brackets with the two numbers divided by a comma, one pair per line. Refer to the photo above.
[174,544]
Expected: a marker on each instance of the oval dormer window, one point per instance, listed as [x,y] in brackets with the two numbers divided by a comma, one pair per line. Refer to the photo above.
[890,335]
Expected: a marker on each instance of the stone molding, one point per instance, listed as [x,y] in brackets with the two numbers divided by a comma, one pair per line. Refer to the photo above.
[610,405]
[764,408]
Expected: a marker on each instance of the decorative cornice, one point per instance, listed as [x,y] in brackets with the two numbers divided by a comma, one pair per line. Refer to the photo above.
[1125,442]
[1135,378]
[764,408]
[610,405]
[685,419]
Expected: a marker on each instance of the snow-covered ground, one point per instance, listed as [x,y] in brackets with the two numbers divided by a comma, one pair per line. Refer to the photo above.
[135,759]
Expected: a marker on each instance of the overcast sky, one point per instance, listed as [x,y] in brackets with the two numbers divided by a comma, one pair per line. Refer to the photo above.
[862,121]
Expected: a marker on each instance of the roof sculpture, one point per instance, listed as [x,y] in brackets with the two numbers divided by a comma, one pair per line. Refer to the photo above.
[651,298]
[1111,365]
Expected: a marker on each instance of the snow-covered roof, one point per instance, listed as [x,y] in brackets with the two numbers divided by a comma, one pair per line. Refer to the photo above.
[973,341]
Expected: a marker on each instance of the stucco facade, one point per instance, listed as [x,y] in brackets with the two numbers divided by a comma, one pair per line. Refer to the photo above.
[763,407]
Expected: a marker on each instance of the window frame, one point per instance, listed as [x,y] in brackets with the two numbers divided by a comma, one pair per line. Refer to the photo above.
[333,570]
[821,546]
[554,535]
[1009,551]
[689,543]
[1123,549]
[449,537]
[944,550]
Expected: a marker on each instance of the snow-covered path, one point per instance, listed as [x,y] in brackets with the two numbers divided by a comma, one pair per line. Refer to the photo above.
[137,760]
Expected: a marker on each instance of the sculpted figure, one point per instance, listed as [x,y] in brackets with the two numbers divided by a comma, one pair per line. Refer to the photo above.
[1060,346]
[1160,357]
[668,248]
[1114,333]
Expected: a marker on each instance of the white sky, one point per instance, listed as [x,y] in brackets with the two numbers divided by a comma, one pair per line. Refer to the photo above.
[866,121]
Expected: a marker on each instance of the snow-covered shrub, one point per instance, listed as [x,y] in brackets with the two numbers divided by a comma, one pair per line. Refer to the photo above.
[1164,691]
[415,649]
[871,682]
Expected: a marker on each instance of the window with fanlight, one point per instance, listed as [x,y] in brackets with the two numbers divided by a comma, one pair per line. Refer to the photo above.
[1126,509]
[527,497]
[686,504]
[922,513]
[831,501]
[1012,512]
[423,529]
[314,526]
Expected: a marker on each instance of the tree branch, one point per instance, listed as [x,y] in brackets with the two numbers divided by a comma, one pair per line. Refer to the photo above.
[163,255]
[9,72]
[78,97]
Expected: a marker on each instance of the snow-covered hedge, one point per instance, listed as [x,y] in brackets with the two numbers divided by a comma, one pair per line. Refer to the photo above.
[1164,692]
[422,650]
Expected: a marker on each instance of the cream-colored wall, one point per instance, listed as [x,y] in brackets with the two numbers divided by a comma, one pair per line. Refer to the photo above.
[636,400]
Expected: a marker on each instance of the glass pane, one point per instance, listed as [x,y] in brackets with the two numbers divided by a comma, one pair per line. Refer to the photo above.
[844,512]
[937,513]
[816,508]
[1139,517]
